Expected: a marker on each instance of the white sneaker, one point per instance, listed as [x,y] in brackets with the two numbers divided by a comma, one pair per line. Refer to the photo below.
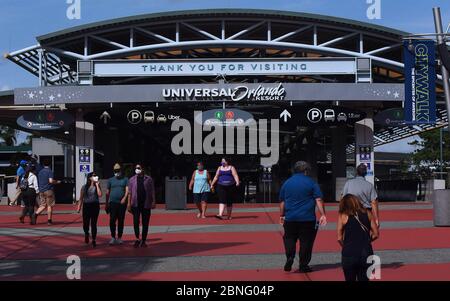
[119,241]
[113,241]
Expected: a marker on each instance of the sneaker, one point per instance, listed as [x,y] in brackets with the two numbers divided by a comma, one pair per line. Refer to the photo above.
[288,265]
[305,269]
[137,243]
[143,244]
[119,241]
[22,206]
[49,222]
[113,241]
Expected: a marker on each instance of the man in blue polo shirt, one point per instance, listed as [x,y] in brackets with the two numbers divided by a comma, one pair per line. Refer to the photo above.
[299,197]
[19,174]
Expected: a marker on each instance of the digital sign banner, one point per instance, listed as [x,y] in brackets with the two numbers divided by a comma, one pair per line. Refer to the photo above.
[198,67]
[420,82]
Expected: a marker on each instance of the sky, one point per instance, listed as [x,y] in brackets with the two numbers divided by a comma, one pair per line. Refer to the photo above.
[21,21]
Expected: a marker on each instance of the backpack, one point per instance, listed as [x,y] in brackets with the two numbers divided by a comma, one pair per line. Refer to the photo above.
[23,184]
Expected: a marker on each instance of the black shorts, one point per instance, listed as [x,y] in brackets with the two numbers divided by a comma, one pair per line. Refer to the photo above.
[226,194]
[201,197]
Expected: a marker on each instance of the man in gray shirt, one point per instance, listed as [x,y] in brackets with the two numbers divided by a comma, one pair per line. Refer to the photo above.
[364,190]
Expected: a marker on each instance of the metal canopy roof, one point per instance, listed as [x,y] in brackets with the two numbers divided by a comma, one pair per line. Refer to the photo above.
[222,33]
[197,32]
[185,14]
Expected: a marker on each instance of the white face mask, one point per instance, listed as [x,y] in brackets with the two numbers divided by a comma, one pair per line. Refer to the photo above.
[95,179]
[117,174]
[138,171]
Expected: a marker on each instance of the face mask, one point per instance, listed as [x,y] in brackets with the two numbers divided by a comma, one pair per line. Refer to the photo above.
[117,174]
[95,179]
[138,171]
[200,167]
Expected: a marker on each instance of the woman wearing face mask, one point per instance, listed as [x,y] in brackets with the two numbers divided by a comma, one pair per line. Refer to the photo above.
[227,180]
[89,203]
[141,201]
[201,186]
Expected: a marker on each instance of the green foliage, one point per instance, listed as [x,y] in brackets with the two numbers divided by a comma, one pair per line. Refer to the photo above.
[8,135]
[428,146]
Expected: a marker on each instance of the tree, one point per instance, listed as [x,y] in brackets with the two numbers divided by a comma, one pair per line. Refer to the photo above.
[427,155]
[8,135]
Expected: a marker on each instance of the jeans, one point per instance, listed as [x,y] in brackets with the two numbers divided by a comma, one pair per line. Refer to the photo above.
[137,213]
[90,217]
[116,213]
[355,268]
[305,232]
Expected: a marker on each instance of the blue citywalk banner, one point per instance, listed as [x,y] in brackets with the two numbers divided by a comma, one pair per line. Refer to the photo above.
[420,81]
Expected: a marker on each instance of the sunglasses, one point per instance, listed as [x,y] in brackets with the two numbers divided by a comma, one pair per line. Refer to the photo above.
[140,168]
[116,170]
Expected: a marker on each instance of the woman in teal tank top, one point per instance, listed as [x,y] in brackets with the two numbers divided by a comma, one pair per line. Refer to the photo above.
[201,186]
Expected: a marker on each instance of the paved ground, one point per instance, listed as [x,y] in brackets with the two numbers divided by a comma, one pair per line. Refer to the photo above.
[182,247]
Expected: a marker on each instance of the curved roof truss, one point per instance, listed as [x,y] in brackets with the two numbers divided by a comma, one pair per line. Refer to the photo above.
[218,33]
[146,37]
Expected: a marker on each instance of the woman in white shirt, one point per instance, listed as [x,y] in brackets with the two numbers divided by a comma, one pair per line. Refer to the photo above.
[30,189]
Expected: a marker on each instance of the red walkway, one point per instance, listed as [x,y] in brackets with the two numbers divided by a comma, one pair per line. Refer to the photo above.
[19,248]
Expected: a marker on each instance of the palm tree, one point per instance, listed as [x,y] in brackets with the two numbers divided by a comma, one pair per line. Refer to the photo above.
[8,135]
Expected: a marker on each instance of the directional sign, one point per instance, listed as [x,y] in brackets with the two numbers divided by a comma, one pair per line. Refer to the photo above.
[365,153]
[84,156]
[45,120]
[134,117]
[105,116]
[285,115]
[224,117]
[390,117]
[320,116]
[85,168]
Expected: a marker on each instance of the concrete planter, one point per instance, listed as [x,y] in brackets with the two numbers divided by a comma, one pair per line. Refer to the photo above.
[441,208]
[431,186]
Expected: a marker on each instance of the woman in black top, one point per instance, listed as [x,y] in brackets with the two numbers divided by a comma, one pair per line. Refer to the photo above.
[356,231]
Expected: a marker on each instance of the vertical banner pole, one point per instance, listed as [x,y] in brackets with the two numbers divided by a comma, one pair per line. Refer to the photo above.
[445,77]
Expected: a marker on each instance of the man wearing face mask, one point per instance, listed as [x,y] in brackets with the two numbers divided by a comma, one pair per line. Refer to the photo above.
[141,200]
[116,203]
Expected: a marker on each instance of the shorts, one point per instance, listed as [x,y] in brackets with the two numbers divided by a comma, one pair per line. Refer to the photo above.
[47,198]
[201,197]
[226,194]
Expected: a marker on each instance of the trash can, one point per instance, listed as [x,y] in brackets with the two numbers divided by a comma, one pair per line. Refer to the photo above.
[175,193]
[441,207]
[65,191]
